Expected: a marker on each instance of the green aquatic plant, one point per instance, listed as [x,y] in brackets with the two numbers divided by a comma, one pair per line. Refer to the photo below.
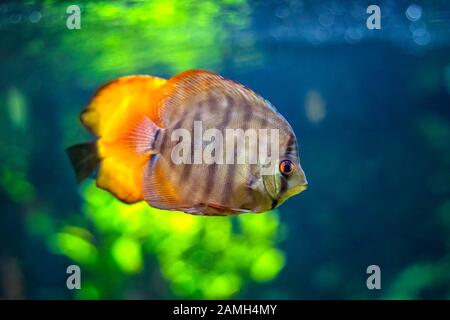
[418,279]
[414,281]
[119,38]
[199,257]
[14,156]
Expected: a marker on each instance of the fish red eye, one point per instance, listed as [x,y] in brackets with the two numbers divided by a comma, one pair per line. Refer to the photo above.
[286,167]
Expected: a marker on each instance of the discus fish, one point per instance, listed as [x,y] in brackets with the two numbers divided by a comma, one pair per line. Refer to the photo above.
[143,122]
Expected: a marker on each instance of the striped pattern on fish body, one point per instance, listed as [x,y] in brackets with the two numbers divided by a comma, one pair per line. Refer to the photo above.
[203,188]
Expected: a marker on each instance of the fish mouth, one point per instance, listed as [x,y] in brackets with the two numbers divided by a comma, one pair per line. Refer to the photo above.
[293,192]
[277,201]
[298,189]
[301,188]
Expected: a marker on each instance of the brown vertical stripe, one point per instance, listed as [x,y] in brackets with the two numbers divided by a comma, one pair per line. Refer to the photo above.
[283,184]
[231,169]
[192,185]
[212,169]
[291,146]
[187,168]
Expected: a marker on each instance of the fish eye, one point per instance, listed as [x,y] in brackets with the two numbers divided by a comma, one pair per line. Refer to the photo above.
[286,167]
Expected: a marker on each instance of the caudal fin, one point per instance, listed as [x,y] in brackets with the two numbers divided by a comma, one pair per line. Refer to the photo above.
[125,116]
[84,159]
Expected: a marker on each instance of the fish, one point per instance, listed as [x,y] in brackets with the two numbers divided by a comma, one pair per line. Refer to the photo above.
[162,141]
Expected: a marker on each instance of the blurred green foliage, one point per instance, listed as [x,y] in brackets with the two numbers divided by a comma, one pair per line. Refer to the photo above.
[200,257]
[118,38]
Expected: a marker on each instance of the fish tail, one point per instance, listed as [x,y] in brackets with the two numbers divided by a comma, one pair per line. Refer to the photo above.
[84,159]
[125,116]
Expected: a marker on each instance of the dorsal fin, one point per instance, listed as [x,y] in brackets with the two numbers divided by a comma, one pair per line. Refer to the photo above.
[182,89]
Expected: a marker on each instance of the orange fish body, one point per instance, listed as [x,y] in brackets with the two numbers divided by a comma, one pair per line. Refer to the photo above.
[135,118]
